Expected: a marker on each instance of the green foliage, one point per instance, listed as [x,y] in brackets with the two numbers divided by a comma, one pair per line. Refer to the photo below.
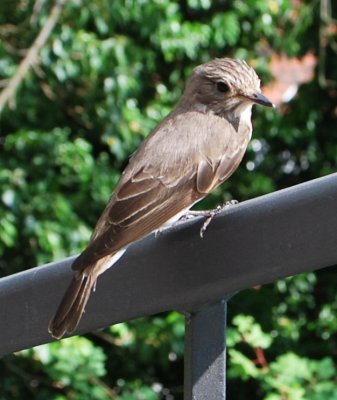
[73,367]
[289,376]
[109,72]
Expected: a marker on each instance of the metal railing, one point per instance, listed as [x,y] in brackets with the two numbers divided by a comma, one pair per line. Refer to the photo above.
[255,242]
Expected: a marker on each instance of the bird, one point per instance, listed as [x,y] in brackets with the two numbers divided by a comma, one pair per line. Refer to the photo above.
[196,147]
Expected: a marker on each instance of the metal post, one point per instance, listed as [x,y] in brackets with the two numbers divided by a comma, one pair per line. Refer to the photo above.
[205,353]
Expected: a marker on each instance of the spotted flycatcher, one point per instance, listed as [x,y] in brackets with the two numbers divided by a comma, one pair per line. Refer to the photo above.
[191,152]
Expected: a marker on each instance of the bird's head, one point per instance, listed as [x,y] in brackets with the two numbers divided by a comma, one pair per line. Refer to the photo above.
[225,86]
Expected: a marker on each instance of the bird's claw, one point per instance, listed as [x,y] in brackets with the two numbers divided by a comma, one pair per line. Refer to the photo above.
[230,203]
[208,214]
[213,213]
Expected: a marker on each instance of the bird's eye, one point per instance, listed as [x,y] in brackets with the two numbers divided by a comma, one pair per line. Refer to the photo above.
[222,87]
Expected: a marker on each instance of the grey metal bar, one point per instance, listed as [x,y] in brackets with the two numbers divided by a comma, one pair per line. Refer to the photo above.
[205,353]
[255,242]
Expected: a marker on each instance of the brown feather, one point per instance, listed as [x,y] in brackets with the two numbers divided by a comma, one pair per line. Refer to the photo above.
[76,297]
[72,306]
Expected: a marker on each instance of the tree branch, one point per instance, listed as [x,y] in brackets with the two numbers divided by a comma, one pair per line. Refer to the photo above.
[32,55]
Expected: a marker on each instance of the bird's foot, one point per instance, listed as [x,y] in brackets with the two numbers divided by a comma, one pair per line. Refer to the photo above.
[193,213]
[210,214]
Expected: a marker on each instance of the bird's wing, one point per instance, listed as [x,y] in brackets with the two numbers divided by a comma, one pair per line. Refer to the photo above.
[211,173]
[134,212]
[155,192]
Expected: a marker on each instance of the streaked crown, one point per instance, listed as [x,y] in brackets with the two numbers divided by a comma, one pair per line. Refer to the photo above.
[234,72]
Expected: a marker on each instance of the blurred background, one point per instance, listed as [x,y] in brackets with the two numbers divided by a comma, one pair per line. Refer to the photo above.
[83,83]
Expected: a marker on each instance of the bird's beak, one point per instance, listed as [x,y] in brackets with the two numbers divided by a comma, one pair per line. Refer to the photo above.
[259,98]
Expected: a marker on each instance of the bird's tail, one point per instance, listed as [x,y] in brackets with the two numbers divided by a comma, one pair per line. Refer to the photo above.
[73,303]
[72,306]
